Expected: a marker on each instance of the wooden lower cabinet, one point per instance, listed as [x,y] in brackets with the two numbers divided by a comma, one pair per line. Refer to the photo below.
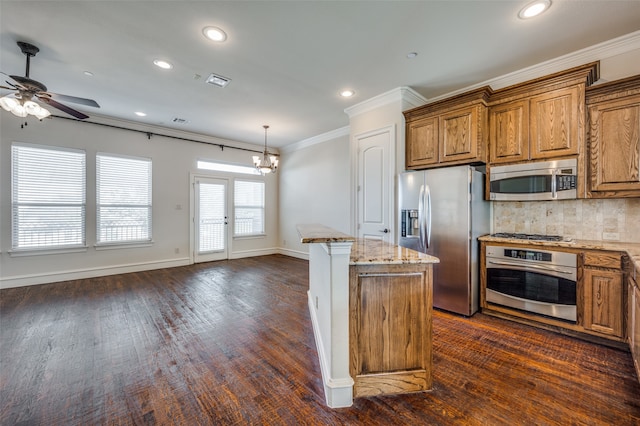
[603,302]
[390,328]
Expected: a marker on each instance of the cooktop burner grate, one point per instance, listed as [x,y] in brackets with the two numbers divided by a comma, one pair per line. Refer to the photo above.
[538,237]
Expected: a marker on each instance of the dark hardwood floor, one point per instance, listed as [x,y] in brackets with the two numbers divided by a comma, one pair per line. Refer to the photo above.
[231,343]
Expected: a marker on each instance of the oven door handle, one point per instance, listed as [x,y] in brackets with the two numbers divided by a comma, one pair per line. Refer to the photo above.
[520,265]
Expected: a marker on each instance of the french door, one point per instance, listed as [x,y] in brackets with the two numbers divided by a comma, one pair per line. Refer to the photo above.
[210,219]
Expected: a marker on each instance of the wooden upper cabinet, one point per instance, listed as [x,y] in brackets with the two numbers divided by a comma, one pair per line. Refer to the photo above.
[554,123]
[614,139]
[509,132]
[537,127]
[459,136]
[542,118]
[448,132]
[422,142]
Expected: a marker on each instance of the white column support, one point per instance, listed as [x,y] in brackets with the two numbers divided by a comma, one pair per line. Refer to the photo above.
[328,299]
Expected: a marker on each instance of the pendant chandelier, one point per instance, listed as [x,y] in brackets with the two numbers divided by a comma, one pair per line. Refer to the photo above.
[266,163]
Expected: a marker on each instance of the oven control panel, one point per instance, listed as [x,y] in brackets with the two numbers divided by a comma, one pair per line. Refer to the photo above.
[538,256]
[526,255]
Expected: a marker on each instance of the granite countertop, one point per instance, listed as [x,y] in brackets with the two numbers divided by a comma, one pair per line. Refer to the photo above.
[364,251]
[317,233]
[631,249]
[372,252]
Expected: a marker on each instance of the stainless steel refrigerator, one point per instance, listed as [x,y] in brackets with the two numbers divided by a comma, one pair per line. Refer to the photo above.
[442,213]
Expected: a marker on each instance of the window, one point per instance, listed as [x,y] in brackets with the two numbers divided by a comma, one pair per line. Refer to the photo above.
[123,197]
[48,197]
[249,208]
[226,167]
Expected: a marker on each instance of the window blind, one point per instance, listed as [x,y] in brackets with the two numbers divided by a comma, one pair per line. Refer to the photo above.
[248,208]
[123,197]
[48,193]
[211,225]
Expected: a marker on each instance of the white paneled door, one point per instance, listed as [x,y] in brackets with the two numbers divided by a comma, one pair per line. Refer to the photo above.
[211,219]
[375,184]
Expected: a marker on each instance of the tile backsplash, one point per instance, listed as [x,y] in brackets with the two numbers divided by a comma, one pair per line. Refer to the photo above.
[602,219]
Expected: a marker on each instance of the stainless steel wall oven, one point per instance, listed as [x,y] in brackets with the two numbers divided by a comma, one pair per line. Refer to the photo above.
[537,281]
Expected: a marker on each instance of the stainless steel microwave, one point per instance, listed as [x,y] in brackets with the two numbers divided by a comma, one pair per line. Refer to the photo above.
[544,180]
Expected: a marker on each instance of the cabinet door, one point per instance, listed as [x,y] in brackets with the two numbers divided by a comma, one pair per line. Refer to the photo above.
[459,135]
[422,142]
[509,132]
[554,120]
[614,143]
[603,302]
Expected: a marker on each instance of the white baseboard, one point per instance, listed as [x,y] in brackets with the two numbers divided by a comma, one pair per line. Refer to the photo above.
[338,393]
[77,274]
[294,253]
[253,253]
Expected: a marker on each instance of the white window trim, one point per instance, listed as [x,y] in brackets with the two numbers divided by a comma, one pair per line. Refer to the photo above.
[109,245]
[44,250]
[264,211]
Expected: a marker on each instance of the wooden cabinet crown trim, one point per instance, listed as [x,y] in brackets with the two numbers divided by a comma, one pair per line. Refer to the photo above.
[613,90]
[480,95]
[585,74]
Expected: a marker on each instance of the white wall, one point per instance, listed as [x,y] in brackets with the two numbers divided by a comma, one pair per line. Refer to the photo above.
[315,187]
[173,163]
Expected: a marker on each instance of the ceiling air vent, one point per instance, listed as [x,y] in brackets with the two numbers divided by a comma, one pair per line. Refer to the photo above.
[179,120]
[217,80]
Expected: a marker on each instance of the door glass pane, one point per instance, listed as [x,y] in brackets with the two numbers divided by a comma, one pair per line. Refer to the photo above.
[211,217]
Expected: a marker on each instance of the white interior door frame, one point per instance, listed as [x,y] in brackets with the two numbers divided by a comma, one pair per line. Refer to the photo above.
[386,136]
[193,216]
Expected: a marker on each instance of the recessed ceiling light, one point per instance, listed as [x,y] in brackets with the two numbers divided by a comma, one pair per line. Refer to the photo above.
[140,114]
[534,9]
[163,64]
[412,55]
[214,33]
[347,93]
[88,73]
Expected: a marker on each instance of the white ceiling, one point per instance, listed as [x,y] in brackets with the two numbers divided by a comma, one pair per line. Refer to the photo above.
[287,59]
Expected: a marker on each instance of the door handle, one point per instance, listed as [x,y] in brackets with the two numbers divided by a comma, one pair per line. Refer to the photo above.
[385,230]
[427,194]
[421,212]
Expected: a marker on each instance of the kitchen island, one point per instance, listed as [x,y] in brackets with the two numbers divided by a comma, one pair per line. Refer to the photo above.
[370,304]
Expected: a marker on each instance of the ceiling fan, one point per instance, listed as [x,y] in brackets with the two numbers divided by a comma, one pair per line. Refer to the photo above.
[21,103]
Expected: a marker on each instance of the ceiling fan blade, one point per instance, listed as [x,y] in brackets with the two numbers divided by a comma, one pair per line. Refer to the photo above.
[61,107]
[6,87]
[74,99]
[16,84]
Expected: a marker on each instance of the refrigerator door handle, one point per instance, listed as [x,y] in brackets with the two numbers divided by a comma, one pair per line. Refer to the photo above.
[428,215]
[421,228]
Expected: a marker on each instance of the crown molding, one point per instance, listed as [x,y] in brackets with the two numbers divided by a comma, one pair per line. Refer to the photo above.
[405,94]
[324,137]
[607,49]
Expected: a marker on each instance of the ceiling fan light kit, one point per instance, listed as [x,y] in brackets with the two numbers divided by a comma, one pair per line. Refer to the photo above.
[26,91]
[22,108]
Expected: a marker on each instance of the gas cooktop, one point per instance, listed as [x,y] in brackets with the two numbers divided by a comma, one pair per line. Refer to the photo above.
[534,237]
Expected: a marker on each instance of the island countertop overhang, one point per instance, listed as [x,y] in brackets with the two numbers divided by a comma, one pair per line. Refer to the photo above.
[364,251]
